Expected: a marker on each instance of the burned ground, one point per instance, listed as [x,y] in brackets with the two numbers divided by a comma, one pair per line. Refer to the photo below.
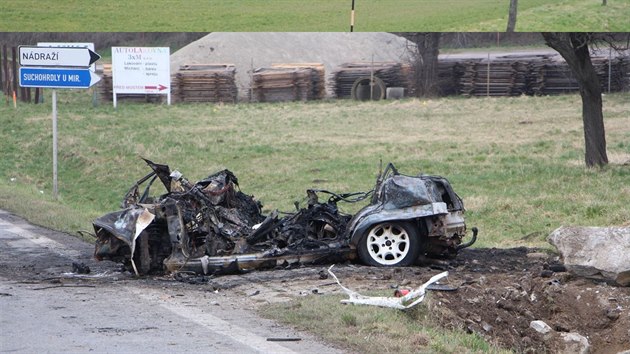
[499,293]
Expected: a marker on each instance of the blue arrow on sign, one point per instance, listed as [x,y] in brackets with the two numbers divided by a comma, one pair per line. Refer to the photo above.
[57,77]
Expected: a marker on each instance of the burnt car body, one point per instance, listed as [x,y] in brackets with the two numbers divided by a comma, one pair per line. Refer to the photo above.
[211,227]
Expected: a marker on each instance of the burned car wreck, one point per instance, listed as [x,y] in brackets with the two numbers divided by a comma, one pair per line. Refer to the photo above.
[211,227]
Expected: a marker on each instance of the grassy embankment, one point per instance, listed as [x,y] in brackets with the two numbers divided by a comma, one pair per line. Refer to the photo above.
[321,15]
[516,162]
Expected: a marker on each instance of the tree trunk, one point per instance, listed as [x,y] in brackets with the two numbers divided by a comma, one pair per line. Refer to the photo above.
[511,25]
[574,48]
[426,61]
[604,2]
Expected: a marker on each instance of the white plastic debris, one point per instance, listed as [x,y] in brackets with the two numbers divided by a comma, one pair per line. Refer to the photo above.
[412,299]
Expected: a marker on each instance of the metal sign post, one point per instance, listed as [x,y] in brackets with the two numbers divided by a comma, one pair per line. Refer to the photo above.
[54,129]
[65,66]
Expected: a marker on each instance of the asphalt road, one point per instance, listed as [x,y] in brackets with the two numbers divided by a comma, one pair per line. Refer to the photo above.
[46,308]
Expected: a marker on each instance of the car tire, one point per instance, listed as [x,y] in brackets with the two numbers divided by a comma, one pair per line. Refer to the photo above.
[390,244]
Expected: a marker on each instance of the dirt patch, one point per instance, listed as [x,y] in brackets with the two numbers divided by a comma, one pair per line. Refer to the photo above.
[503,291]
[500,292]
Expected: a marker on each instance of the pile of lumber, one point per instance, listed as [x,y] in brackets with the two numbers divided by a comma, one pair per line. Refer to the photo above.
[392,73]
[503,77]
[518,75]
[318,76]
[288,82]
[205,83]
[448,77]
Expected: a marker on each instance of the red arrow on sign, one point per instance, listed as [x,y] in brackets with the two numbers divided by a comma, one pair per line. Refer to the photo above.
[160,87]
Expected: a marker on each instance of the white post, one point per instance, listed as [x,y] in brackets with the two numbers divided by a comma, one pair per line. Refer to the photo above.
[168,98]
[114,97]
[54,127]
[352,18]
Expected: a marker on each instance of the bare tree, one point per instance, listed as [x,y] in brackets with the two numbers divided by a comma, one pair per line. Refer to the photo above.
[511,25]
[574,48]
[427,45]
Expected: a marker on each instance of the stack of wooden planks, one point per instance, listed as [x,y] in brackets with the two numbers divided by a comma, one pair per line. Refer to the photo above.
[318,76]
[392,73]
[288,82]
[522,74]
[205,83]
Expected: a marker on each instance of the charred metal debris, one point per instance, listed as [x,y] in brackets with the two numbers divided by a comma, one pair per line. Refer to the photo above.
[211,227]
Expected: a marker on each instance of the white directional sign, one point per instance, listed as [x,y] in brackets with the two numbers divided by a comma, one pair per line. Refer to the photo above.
[87,45]
[57,56]
[65,66]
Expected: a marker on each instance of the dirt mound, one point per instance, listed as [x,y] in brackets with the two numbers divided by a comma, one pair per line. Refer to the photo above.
[249,50]
[504,290]
[499,293]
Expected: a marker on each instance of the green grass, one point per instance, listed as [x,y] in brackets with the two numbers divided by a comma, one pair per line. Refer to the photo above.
[516,162]
[368,329]
[566,15]
[319,15]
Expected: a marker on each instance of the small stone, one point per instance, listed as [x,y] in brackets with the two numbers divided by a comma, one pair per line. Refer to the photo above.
[612,314]
[486,327]
[574,343]
[473,300]
[540,327]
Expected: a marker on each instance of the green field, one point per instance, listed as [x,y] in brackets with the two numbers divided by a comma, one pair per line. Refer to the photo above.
[516,162]
[318,15]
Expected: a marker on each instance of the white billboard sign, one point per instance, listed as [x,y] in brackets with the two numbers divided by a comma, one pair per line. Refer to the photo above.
[141,70]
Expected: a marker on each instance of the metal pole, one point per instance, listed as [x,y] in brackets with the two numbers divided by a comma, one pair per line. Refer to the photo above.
[352,18]
[372,80]
[54,126]
[488,78]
